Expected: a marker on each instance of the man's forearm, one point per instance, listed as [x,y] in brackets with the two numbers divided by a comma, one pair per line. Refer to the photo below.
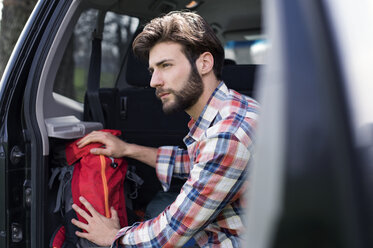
[147,155]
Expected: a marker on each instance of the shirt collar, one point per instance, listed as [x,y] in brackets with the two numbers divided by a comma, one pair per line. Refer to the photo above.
[210,111]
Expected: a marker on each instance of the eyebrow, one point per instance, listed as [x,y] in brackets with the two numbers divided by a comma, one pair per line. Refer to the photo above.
[160,62]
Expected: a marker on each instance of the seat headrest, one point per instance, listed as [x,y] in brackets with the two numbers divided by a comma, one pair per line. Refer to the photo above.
[137,73]
[239,77]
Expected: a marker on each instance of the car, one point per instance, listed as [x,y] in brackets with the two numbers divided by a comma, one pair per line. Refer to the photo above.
[306,62]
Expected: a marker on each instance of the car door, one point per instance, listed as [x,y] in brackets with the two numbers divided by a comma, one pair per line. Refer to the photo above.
[311,180]
[21,191]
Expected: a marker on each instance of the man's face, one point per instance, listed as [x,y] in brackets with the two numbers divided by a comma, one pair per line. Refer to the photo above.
[178,84]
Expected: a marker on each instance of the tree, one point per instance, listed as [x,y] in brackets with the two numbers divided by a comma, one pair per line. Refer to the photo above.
[71,79]
[72,74]
[14,16]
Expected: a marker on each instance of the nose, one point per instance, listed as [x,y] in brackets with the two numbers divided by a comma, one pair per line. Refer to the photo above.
[156,80]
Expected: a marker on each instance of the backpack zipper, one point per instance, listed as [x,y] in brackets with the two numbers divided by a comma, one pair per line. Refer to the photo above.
[104,183]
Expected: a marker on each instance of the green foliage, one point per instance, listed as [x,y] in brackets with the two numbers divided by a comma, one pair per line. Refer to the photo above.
[80,82]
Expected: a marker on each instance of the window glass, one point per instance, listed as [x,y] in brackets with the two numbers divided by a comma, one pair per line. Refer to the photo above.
[246,52]
[71,79]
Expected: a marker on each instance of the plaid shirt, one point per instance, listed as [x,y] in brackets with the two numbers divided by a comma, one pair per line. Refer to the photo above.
[209,206]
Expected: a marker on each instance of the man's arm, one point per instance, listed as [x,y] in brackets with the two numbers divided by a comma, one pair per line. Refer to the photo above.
[215,181]
[115,147]
[172,161]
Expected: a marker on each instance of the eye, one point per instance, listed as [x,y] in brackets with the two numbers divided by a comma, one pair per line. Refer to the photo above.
[151,72]
[165,65]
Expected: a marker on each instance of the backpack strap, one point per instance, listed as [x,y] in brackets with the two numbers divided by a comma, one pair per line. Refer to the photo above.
[65,176]
[137,180]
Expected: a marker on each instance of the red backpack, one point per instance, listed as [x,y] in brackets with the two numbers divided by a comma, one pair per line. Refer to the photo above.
[97,178]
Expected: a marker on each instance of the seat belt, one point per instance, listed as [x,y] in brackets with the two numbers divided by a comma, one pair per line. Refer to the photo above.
[92,98]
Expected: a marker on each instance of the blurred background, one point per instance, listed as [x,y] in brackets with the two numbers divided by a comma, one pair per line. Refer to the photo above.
[13,16]
[73,68]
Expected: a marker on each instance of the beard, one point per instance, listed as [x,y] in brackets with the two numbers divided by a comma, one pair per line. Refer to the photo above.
[187,96]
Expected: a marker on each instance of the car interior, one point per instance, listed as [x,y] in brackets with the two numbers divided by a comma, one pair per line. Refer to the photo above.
[73,71]
[112,91]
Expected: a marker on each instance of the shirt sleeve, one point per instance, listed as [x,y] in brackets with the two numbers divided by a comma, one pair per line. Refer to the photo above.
[216,179]
[172,161]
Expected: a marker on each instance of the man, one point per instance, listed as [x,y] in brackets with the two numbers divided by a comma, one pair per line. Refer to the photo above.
[185,60]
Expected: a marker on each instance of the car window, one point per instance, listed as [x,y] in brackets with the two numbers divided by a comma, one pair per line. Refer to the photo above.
[246,52]
[71,79]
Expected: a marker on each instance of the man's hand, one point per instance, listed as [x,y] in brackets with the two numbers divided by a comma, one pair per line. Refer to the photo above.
[114,147]
[100,230]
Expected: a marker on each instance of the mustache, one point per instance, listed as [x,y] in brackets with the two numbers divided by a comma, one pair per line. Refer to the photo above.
[160,91]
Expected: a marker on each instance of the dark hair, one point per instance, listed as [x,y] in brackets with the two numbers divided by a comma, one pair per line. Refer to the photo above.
[186,28]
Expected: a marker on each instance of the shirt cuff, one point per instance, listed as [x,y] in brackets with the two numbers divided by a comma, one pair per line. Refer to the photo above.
[119,236]
[165,165]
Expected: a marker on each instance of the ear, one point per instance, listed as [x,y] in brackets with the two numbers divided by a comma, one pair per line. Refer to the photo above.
[205,63]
